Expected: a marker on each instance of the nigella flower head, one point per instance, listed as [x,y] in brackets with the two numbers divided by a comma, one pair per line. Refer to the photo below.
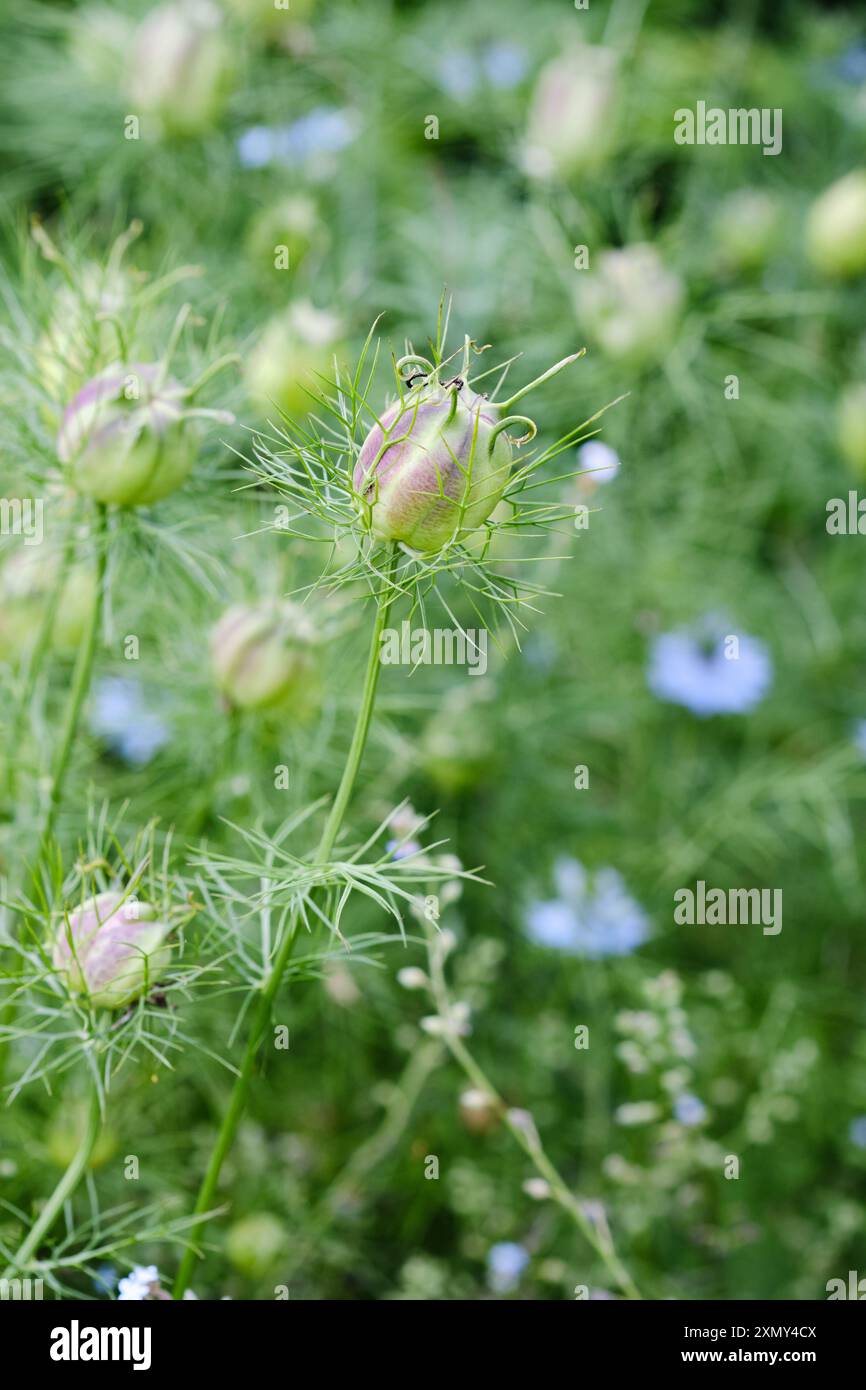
[709,671]
[139,1285]
[689,1110]
[506,1262]
[857,1132]
[602,463]
[122,717]
[592,916]
[326,130]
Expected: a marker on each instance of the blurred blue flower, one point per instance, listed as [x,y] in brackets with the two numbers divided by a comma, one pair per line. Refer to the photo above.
[505,1264]
[701,675]
[601,461]
[457,73]
[857,1132]
[324,130]
[504,63]
[122,718]
[851,65]
[105,1280]
[860,736]
[689,1110]
[594,919]
[402,849]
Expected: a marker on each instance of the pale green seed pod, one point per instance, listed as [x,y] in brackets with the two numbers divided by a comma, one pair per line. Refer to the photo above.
[836,227]
[125,438]
[27,580]
[631,304]
[262,656]
[295,350]
[180,67]
[111,949]
[571,119]
[436,463]
[255,1243]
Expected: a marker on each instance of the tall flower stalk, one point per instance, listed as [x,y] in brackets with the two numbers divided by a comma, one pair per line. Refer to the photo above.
[262,1014]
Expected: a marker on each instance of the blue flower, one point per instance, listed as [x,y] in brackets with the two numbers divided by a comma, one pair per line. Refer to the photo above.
[689,1110]
[105,1279]
[592,919]
[457,73]
[322,131]
[601,462]
[504,64]
[505,1264]
[713,676]
[857,1132]
[122,718]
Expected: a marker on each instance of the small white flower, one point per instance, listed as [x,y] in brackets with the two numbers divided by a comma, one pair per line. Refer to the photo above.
[411,977]
[537,1189]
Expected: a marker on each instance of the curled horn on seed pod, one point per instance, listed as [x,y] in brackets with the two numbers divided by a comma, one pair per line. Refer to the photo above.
[510,420]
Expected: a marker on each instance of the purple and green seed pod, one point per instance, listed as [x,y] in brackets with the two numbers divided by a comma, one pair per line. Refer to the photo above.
[262,655]
[112,949]
[435,465]
[125,438]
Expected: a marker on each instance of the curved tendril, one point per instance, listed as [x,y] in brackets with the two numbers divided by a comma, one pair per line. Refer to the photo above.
[505,424]
[412,359]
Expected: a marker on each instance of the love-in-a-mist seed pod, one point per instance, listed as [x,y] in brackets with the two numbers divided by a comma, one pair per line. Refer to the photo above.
[434,466]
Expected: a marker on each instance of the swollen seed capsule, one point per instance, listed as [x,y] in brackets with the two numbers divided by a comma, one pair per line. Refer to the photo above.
[294,351]
[124,437]
[255,1243]
[571,118]
[631,304]
[111,949]
[27,581]
[435,468]
[836,227]
[262,655]
[180,66]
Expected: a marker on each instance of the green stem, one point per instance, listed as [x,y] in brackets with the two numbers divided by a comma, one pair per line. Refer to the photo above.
[38,654]
[64,1189]
[525,1137]
[262,1012]
[81,677]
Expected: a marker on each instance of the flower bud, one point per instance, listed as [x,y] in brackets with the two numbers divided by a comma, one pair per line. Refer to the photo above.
[478,1111]
[262,655]
[125,438]
[296,348]
[571,117]
[435,465]
[255,1243]
[631,304]
[180,66]
[27,581]
[111,949]
[836,227]
[851,427]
